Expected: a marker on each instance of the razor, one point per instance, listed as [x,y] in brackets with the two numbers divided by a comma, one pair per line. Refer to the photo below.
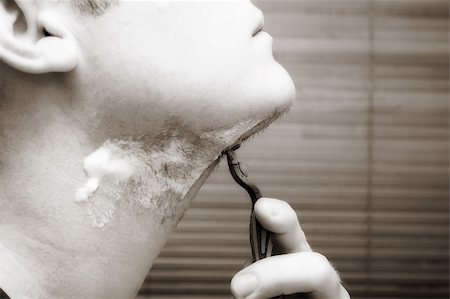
[260,240]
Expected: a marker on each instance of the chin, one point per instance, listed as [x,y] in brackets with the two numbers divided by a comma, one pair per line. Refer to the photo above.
[270,97]
[276,92]
[276,113]
[263,124]
[274,99]
[277,97]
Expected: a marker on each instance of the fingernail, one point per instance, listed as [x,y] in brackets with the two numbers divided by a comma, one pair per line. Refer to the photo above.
[245,285]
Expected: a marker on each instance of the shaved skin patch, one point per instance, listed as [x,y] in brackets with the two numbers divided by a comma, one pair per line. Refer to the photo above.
[141,177]
[153,176]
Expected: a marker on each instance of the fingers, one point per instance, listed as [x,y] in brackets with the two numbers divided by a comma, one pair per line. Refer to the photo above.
[302,272]
[279,218]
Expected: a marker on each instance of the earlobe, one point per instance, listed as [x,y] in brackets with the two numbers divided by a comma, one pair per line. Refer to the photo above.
[52,48]
[58,48]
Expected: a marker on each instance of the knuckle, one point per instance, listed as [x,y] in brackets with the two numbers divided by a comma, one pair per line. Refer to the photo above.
[323,271]
[319,258]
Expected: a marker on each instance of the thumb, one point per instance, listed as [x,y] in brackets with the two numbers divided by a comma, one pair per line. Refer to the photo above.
[302,272]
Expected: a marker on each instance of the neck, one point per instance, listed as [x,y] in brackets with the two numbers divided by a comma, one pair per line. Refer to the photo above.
[104,245]
[154,178]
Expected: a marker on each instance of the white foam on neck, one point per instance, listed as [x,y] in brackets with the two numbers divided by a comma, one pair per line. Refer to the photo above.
[99,164]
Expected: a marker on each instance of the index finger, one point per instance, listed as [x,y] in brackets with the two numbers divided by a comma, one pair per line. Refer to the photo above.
[281,220]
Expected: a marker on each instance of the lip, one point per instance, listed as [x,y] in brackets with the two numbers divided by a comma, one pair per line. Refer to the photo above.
[263,35]
[260,25]
[257,31]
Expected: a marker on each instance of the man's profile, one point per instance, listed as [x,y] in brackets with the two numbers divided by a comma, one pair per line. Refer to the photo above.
[112,115]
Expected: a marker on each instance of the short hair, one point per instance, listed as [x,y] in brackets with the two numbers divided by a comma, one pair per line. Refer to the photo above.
[93,7]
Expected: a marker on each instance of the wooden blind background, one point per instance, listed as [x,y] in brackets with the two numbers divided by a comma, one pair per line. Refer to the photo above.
[362,156]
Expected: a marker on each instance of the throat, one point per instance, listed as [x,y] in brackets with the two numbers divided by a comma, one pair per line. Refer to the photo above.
[144,179]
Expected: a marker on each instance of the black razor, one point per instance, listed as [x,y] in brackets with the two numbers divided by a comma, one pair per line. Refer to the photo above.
[260,240]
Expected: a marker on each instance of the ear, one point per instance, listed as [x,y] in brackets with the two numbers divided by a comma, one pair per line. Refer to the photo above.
[34,40]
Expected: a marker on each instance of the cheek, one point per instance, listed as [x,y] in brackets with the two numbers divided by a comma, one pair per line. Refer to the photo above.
[200,95]
[207,77]
[234,93]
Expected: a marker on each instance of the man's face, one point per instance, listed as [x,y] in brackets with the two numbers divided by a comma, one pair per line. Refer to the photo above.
[196,64]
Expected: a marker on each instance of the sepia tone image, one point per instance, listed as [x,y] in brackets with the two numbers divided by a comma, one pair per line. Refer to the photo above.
[208,149]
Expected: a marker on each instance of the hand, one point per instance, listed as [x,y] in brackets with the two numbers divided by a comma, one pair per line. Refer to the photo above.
[297,270]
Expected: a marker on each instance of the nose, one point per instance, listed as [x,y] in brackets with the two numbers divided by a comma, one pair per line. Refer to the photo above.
[257,19]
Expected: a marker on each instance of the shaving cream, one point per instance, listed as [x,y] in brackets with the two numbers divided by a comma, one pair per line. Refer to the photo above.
[99,164]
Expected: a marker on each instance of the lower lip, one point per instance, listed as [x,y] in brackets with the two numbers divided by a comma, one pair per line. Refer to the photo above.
[263,34]
[264,38]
